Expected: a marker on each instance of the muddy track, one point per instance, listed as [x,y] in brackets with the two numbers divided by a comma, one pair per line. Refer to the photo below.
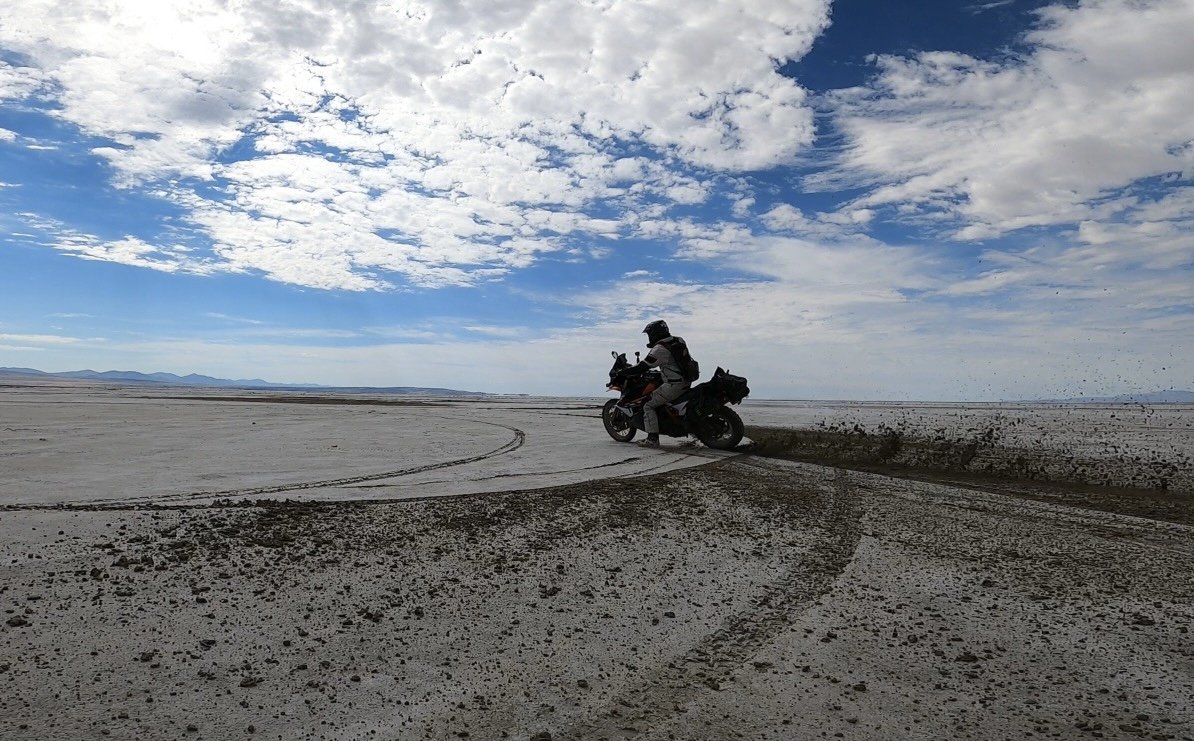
[720,655]
[515,443]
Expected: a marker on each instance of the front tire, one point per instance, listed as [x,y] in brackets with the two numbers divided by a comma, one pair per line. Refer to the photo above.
[720,429]
[617,424]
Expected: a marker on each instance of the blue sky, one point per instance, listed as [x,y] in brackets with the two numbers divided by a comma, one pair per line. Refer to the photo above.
[860,200]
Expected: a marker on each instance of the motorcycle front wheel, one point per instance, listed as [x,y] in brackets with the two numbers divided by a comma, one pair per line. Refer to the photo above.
[617,424]
[720,428]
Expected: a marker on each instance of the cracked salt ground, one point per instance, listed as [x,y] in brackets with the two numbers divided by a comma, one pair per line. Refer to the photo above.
[745,598]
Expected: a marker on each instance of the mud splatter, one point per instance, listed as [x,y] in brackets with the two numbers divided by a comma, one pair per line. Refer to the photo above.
[999,447]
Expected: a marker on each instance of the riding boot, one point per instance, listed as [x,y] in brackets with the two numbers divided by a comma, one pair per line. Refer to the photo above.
[652,440]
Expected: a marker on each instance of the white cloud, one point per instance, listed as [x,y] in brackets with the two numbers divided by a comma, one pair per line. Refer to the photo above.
[300,333]
[790,342]
[979,8]
[1141,261]
[371,147]
[845,293]
[495,331]
[787,219]
[127,250]
[39,339]
[445,144]
[18,82]
[235,319]
[1101,102]
[1088,135]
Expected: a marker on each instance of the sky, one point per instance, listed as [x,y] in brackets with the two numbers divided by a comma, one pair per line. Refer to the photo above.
[860,199]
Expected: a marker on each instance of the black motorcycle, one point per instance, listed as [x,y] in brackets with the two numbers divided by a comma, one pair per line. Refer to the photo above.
[700,411]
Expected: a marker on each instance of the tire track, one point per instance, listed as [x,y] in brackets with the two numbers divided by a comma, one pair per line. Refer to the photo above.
[515,443]
[682,455]
[723,653]
[498,476]
[1170,536]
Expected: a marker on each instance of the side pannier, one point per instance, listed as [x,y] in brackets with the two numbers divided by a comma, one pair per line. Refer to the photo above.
[733,388]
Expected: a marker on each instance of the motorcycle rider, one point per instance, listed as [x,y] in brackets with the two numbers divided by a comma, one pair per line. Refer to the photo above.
[673,378]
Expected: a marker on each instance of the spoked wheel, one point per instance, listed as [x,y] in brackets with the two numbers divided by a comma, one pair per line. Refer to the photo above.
[720,428]
[617,424]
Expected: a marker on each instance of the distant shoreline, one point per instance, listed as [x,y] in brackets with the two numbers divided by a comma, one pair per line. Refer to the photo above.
[169,380]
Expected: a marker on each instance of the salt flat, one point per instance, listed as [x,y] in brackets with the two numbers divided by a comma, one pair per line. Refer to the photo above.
[118,445]
[623,594]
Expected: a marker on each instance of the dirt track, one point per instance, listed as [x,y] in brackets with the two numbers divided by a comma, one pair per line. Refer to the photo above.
[749,598]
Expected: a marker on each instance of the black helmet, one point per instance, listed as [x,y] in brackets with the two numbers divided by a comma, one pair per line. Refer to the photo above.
[656,331]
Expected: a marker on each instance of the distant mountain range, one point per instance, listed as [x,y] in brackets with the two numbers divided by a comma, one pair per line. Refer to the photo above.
[1172,396]
[194,379]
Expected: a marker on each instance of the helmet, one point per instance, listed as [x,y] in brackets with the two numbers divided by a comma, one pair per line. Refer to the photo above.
[656,331]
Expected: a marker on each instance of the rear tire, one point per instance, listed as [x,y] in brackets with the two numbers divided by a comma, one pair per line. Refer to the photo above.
[617,424]
[720,429]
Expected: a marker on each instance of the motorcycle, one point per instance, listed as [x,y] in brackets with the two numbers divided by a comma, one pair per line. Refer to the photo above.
[701,410]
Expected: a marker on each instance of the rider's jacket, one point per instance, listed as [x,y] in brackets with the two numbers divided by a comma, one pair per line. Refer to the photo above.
[659,356]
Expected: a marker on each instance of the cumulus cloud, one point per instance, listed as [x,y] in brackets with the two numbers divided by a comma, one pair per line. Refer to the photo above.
[375,146]
[18,81]
[1070,159]
[432,144]
[1100,102]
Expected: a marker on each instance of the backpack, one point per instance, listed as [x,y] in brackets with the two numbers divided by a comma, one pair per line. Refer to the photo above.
[689,367]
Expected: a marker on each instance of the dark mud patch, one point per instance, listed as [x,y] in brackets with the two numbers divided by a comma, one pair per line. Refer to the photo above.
[1140,486]
[764,503]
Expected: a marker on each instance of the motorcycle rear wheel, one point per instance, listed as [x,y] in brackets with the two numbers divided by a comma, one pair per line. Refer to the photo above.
[617,424]
[720,429]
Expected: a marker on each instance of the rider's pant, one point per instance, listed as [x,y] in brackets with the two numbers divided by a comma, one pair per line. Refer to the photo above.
[666,393]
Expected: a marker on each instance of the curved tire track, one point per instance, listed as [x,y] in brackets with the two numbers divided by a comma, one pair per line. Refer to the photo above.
[181,499]
[724,652]
[499,476]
